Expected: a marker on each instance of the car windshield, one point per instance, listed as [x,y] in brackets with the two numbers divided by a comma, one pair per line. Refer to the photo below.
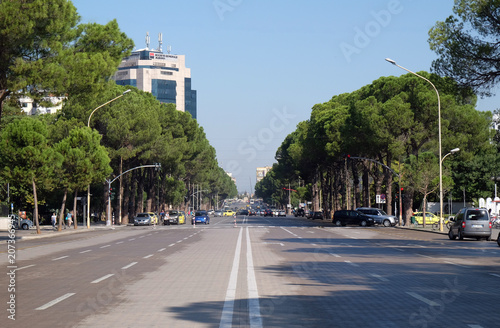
[142,215]
[200,213]
[173,213]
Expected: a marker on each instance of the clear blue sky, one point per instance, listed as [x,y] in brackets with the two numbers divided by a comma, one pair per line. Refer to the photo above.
[260,65]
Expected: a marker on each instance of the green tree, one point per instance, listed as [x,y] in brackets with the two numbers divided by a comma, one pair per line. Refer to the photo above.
[27,158]
[44,51]
[85,161]
[467,44]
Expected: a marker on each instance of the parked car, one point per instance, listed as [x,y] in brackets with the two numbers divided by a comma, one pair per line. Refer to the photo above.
[471,223]
[20,223]
[350,217]
[379,216]
[430,218]
[218,213]
[174,217]
[147,218]
[299,212]
[211,212]
[201,217]
[317,215]
[309,214]
[281,213]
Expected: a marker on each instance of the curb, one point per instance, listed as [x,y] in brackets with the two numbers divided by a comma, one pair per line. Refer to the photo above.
[48,233]
[422,229]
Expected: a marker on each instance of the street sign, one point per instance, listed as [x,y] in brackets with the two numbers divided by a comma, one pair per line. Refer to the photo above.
[380,199]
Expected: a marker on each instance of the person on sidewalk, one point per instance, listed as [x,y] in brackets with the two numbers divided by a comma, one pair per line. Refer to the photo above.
[53,219]
[70,219]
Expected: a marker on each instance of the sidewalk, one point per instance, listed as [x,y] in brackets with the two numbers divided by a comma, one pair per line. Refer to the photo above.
[47,231]
[428,228]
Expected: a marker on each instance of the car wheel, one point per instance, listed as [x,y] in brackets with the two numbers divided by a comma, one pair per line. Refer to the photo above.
[451,235]
[460,235]
[363,223]
[25,226]
[387,223]
[498,239]
[338,223]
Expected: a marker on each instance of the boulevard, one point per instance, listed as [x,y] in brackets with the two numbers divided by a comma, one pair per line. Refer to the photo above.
[255,272]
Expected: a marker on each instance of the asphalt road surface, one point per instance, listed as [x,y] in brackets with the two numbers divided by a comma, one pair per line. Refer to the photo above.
[259,272]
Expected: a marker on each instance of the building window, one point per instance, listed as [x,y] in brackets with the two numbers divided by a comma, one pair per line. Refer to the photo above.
[166,73]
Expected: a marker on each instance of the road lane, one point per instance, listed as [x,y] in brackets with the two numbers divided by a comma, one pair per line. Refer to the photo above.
[304,274]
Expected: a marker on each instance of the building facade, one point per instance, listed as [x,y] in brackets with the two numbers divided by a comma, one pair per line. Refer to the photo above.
[262,171]
[164,75]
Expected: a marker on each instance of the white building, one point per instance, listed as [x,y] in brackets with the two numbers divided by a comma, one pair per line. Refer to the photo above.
[164,75]
[31,108]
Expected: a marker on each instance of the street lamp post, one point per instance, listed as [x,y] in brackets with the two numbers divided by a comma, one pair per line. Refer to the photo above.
[88,125]
[439,133]
[454,150]
[109,181]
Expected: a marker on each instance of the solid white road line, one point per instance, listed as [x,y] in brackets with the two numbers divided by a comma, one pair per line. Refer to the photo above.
[129,265]
[227,311]
[88,250]
[60,258]
[423,299]
[57,300]
[102,278]
[253,292]
[493,274]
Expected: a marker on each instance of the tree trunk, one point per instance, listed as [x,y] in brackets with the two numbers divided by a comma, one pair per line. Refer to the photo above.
[75,220]
[61,212]
[355,191]
[126,201]
[120,193]
[35,212]
[366,184]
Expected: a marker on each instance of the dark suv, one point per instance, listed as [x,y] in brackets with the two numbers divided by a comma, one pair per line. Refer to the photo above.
[471,222]
[345,217]
[300,212]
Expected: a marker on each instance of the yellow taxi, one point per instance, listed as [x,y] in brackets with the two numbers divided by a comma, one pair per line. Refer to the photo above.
[430,218]
[154,217]
[229,213]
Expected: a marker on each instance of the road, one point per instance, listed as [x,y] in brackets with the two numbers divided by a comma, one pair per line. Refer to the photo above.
[261,272]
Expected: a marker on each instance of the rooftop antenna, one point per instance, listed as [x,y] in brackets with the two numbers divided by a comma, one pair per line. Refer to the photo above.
[147,40]
[160,42]
[169,49]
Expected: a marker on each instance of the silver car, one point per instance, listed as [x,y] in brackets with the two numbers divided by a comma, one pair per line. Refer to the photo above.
[20,223]
[379,216]
[471,222]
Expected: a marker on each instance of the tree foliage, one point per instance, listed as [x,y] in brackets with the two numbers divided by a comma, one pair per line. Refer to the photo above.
[467,43]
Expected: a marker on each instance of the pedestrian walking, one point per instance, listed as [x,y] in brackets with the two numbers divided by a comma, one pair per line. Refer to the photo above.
[67,220]
[53,219]
[70,219]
